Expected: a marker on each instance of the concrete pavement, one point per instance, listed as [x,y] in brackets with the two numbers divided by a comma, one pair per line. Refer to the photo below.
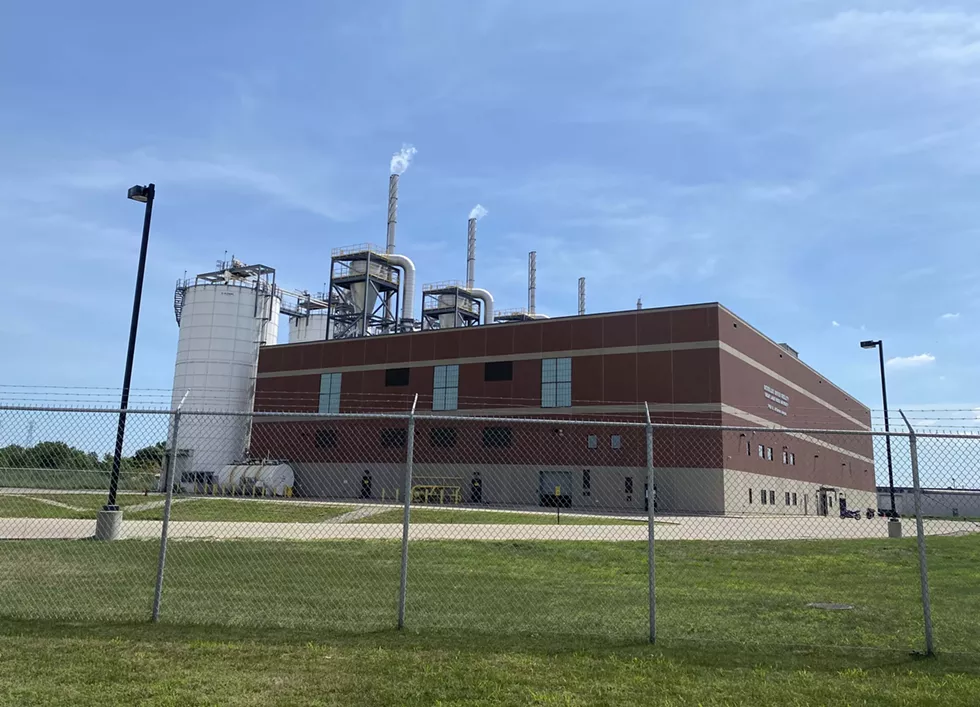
[671,528]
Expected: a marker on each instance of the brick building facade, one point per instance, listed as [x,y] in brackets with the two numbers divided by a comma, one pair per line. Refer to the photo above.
[693,365]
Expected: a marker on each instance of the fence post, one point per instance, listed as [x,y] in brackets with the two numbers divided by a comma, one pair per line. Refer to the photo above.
[409,459]
[169,482]
[920,537]
[650,500]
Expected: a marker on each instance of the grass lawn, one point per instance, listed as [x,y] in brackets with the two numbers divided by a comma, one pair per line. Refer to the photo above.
[551,623]
[74,479]
[84,505]
[226,509]
[456,515]
[16,506]
[177,665]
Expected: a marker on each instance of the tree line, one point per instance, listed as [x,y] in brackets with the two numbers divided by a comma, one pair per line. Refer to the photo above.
[59,455]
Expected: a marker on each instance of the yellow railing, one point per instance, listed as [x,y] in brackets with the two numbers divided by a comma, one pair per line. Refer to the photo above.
[437,494]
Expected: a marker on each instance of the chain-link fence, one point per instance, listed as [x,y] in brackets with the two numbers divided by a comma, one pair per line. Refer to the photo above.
[612,529]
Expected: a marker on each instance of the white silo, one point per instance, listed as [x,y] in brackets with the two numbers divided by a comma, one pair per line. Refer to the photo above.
[224,317]
[311,327]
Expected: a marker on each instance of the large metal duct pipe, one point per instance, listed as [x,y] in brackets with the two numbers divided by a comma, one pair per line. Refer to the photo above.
[408,284]
[487,300]
[470,253]
[581,296]
[532,280]
[392,212]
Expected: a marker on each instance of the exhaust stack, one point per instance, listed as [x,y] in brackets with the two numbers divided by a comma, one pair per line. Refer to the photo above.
[392,212]
[470,253]
[639,303]
[581,296]
[532,280]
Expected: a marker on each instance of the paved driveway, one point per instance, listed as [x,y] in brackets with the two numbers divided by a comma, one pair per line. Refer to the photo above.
[668,528]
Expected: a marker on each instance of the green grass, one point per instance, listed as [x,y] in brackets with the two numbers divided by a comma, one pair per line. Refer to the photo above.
[456,515]
[170,665]
[219,509]
[84,505]
[23,507]
[552,623]
[70,479]
[727,591]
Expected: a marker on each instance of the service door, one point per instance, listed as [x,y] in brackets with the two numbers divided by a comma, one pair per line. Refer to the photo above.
[555,489]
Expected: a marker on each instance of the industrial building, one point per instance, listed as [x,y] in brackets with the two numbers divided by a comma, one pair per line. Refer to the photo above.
[693,365]
[358,347]
[935,502]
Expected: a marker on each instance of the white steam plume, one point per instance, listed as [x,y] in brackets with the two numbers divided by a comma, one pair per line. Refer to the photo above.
[401,159]
[478,212]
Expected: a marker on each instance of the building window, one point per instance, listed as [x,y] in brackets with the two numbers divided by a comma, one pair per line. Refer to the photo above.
[772,498]
[785,456]
[593,442]
[764,496]
[445,387]
[787,498]
[750,495]
[329,393]
[556,382]
[497,436]
[762,452]
[748,448]
[629,485]
[792,459]
[616,442]
[396,377]
[794,499]
[586,482]
[442,437]
[498,371]
[325,438]
[394,437]
[769,453]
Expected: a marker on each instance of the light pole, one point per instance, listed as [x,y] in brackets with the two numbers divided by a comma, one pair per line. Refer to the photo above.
[110,517]
[897,527]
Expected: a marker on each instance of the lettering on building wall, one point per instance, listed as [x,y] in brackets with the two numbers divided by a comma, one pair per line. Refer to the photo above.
[778,402]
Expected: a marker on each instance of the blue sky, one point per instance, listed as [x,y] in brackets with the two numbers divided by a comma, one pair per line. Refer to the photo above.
[810,165]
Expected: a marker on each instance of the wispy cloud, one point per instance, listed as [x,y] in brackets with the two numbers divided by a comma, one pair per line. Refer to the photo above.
[950,316]
[304,187]
[779,192]
[905,362]
[835,323]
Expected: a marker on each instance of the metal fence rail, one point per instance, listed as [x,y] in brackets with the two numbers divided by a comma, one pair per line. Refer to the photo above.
[614,529]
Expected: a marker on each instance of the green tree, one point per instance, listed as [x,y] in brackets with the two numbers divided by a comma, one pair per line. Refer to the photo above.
[150,456]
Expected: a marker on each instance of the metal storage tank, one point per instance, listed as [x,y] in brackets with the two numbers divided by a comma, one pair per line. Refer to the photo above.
[224,318]
[313,327]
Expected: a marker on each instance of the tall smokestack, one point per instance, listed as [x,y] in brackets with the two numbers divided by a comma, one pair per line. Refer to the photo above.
[476,213]
[470,253]
[399,163]
[532,280]
[581,296]
[392,212]
[639,303]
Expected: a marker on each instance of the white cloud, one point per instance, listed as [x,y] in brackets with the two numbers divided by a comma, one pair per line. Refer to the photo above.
[903,362]
[949,316]
[895,39]
[835,323]
[778,192]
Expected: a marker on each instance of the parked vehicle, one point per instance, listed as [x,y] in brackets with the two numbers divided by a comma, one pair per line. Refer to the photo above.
[848,513]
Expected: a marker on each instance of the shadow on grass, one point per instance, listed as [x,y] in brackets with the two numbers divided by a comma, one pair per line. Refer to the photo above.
[709,655]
